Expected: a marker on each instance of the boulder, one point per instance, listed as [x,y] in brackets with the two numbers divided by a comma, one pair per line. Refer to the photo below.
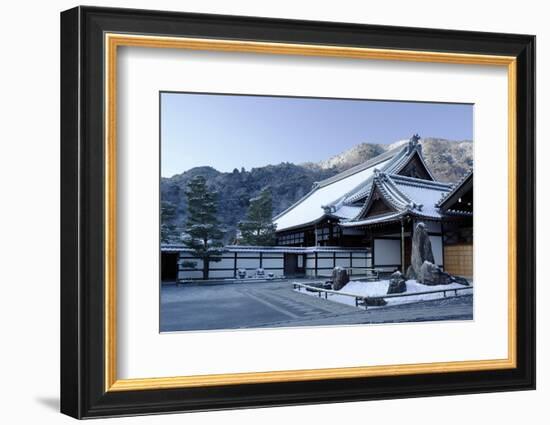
[375,302]
[398,285]
[460,280]
[421,248]
[339,278]
[430,274]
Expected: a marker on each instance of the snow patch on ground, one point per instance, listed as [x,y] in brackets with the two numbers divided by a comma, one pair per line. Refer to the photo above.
[380,288]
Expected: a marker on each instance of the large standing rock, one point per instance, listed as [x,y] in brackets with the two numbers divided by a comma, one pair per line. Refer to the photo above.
[339,278]
[421,248]
[411,274]
[398,284]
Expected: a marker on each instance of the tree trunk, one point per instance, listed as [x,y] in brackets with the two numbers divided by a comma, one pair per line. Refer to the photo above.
[205,270]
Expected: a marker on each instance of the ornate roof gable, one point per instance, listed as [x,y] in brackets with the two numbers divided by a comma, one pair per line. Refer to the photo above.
[408,162]
[402,195]
[383,190]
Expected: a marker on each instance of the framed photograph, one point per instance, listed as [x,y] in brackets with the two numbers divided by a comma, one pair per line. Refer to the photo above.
[261,212]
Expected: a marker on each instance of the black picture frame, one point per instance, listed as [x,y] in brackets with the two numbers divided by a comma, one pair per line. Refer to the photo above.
[83,392]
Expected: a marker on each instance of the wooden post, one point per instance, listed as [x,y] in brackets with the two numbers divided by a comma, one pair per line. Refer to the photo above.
[316,261]
[372,253]
[402,246]
[315,230]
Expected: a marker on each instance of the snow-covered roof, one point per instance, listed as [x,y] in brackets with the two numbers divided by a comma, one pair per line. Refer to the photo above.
[405,195]
[309,209]
[423,194]
[332,196]
[399,161]
[345,195]
[382,218]
[346,212]
[465,183]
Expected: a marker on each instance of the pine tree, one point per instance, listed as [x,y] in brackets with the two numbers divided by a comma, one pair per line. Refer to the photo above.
[167,217]
[258,228]
[202,233]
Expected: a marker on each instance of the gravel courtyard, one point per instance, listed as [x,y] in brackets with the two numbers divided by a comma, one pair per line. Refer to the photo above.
[275,304]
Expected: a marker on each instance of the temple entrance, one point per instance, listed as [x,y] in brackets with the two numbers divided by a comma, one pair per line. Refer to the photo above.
[169,267]
[291,264]
[294,264]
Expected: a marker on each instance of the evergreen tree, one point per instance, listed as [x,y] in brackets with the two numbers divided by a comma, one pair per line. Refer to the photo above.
[203,233]
[258,228]
[167,217]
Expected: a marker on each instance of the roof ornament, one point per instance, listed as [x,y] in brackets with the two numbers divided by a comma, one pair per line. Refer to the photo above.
[380,175]
[414,141]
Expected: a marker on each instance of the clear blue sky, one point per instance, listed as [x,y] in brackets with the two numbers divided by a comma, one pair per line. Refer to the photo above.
[234,131]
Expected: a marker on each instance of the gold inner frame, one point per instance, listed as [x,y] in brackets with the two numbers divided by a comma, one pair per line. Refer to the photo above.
[113,41]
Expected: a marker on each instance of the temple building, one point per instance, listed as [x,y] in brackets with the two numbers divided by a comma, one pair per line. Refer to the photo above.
[376,205]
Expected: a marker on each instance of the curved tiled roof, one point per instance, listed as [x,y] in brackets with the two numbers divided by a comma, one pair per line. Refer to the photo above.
[406,195]
[455,187]
[337,196]
[393,167]
[382,218]
[328,192]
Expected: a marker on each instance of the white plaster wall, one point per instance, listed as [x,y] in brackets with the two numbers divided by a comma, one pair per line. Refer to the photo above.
[225,263]
[266,263]
[247,263]
[387,252]
[343,262]
[437,249]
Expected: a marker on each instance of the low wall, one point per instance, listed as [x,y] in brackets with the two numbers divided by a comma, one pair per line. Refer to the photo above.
[230,263]
[322,263]
[319,261]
